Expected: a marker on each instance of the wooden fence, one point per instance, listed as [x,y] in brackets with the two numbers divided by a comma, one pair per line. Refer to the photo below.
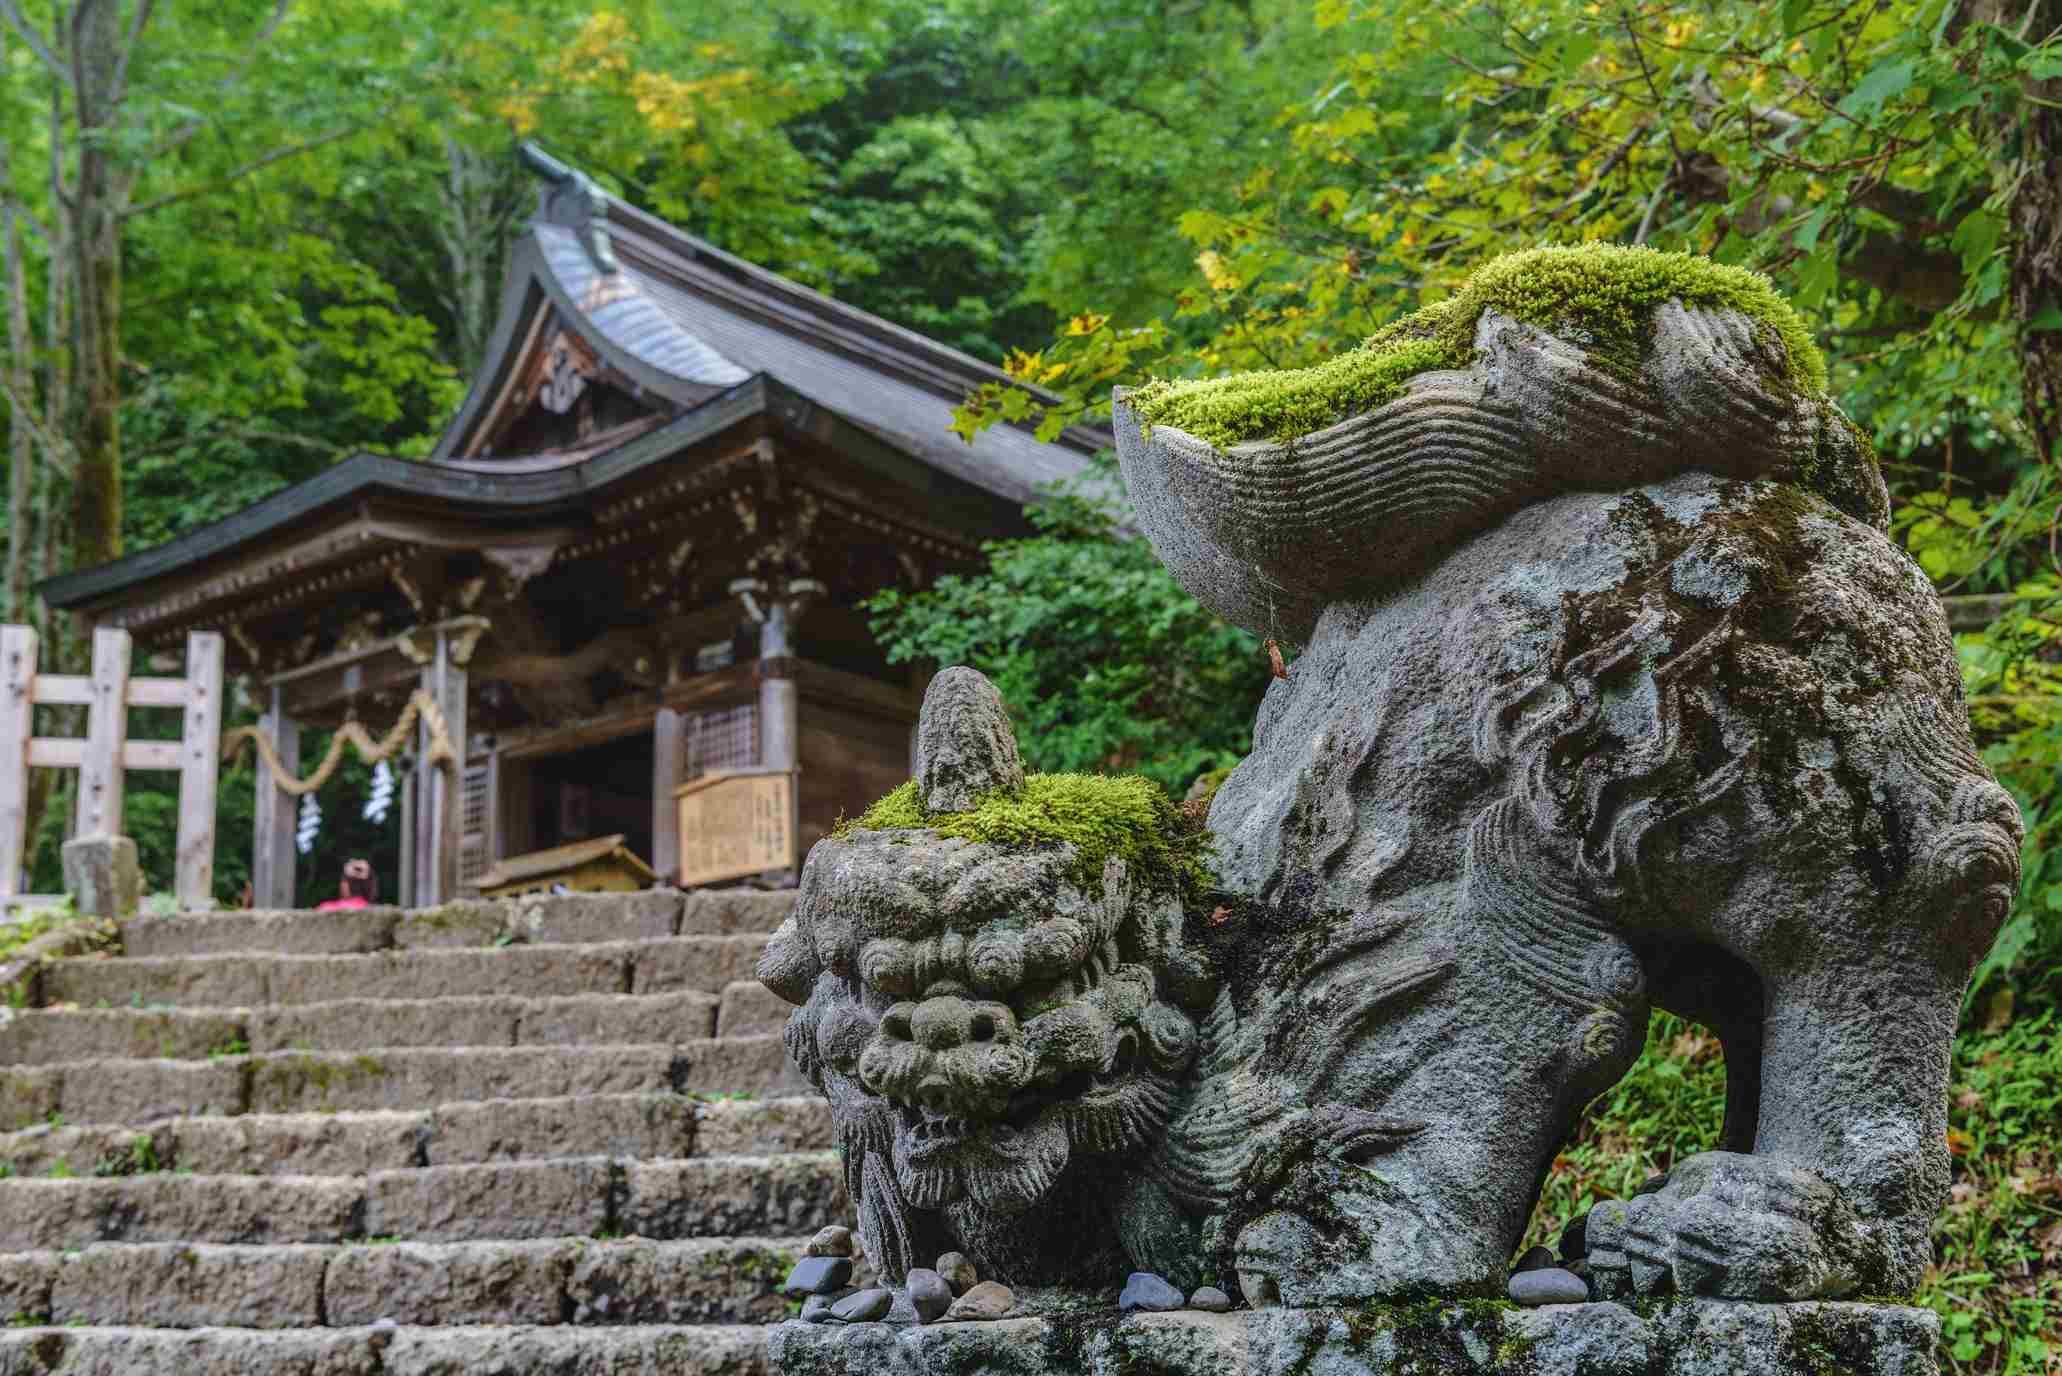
[106,751]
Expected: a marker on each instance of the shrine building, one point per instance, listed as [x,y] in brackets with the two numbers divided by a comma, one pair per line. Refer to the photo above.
[635,556]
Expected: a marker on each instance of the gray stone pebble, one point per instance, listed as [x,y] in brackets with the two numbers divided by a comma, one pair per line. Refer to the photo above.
[987,1300]
[1144,1290]
[863,1306]
[1549,1285]
[928,1294]
[817,1308]
[818,1275]
[830,1242]
[1210,1300]
[959,1273]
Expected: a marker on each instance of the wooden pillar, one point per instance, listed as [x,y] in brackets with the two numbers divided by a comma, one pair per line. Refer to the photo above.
[440,795]
[272,846]
[99,811]
[669,762]
[779,704]
[193,883]
[17,712]
[405,893]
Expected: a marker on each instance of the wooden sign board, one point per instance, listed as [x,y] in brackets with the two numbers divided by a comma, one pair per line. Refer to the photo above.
[736,822]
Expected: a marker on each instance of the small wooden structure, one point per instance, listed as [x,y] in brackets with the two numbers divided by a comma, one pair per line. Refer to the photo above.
[638,553]
[600,865]
[106,752]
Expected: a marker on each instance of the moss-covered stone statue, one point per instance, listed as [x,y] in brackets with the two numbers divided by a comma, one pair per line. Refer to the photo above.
[1612,695]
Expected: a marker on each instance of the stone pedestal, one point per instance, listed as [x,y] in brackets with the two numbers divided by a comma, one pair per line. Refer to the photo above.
[101,875]
[1679,1338]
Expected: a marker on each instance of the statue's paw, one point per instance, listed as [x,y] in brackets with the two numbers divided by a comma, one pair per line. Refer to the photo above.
[1728,1226]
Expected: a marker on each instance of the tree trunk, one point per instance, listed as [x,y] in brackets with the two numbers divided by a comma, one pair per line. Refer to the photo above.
[20,401]
[97,273]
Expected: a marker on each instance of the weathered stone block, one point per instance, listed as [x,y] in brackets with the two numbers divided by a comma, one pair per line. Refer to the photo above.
[621,1125]
[707,963]
[449,1283]
[496,1200]
[190,1285]
[750,1009]
[143,1091]
[796,1123]
[730,912]
[343,1144]
[616,1019]
[171,1208]
[101,875]
[362,1024]
[47,1035]
[25,1281]
[29,1095]
[197,1352]
[588,917]
[465,922]
[194,981]
[294,932]
[525,971]
[733,1195]
[714,1350]
[699,1280]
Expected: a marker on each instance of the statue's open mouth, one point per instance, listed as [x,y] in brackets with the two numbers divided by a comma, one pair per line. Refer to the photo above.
[932,1135]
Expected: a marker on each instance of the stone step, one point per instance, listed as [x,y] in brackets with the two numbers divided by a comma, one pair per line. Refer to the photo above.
[549,1281]
[567,918]
[641,1350]
[41,1036]
[548,970]
[138,1092]
[719,1196]
[359,1143]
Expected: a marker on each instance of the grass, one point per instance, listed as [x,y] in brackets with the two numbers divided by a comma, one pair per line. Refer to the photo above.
[1996,1281]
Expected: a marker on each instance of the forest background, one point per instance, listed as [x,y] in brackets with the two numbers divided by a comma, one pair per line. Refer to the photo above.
[241,240]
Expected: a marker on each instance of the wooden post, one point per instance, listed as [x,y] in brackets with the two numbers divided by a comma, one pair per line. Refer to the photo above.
[17,713]
[405,895]
[669,762]
[107,731]
[272,846]
[443,826]
[193,882]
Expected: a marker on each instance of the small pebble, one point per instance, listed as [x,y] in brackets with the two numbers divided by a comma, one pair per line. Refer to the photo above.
[1533,1259]
[863,1306]
[818,1275]
[959,1273]
[830,1242]
[1210,1300]
[817,1308]
[928,1294]
[987,1300]
[1551,1285]
[1575,1239]
[1144,1290]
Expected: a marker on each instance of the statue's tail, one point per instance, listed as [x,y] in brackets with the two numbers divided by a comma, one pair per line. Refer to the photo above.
[1268,533]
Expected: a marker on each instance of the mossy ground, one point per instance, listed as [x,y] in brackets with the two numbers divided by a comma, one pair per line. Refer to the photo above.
[1100,815]
[1601,295]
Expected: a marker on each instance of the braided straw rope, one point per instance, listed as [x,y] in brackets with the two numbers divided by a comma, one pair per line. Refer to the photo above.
[420,704]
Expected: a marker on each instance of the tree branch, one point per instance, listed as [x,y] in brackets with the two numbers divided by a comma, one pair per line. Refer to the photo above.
[184,134]
[237,174]
[10,10]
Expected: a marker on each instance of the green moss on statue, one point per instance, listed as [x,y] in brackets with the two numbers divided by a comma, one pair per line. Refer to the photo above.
[1099,815]
[1602,295]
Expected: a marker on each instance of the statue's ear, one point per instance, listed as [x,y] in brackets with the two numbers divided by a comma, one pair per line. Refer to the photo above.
[964,747]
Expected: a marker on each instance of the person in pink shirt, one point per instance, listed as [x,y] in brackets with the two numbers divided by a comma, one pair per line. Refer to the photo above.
[359,888]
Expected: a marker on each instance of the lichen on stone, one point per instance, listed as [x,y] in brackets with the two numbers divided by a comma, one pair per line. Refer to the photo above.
[1602,296]
[1100,815]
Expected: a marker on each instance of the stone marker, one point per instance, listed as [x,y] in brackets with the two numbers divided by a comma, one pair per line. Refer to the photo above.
[1210,1300]
[101,875]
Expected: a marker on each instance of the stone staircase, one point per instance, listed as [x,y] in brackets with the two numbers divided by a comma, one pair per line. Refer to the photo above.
[550,1135]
